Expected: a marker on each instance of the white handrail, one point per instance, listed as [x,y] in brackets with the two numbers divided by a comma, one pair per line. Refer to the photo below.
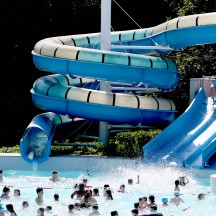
[141,47]
[135,89]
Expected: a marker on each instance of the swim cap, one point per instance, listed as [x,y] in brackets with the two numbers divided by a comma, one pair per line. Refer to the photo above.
[176,193]
[164,200]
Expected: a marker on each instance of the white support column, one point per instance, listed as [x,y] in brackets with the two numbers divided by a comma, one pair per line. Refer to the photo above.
[105,24]
[213,183]
[105,45]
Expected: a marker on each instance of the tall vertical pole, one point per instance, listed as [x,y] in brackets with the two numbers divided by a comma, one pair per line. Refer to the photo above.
[105,45]
[105,24]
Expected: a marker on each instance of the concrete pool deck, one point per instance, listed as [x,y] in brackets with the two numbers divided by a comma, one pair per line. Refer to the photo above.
[67,163]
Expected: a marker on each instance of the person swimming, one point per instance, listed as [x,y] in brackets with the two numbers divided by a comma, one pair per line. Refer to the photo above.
[151,199]
[88,200]
[17,192]
[176,200]
[48,209]
[80,192]
[130,181]
[40,211]
[122,188]
[25,204]
[54,177]
[56,197]
[39,198]
[95,210]
[6,192]
[114,213]
[135,212]
[106,187]
[201,196]
[177,183]
[143,203]
[95,192]
[183,180]
[108,194]
[164,201]
[10,209]
[71,208]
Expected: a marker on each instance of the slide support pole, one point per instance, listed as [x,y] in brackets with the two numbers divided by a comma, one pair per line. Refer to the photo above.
[105,45]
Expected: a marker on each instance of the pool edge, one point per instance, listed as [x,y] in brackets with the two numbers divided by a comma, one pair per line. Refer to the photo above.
[68,162]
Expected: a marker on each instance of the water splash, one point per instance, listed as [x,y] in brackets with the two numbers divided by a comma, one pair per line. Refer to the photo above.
[34,167]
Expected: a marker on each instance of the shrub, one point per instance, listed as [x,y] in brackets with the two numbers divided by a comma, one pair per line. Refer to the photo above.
[124,144]
[129,144]
[13,149]
[78,149]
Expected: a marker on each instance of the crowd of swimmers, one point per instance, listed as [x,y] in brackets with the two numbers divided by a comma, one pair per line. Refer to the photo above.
[86,198]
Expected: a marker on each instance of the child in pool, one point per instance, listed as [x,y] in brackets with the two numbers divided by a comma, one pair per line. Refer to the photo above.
[176,200]
[95,192]
[106,187]
[88,200]
[183,180]
[130,181]
[17,192]
[39,198]
[165,201]
[71,209]
[40,212]
[114,213]
[5,194]
[94,210]
[177,183]
[122,188]
[85,181]
[25,204]
[80,192]
[56,197]
[48,209]
[54,177]
[10,209]
[108,194]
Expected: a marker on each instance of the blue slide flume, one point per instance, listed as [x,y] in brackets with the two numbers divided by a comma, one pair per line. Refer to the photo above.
[189,141]
[77,66]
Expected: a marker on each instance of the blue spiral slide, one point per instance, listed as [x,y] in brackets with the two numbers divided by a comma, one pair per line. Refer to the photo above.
[78,65]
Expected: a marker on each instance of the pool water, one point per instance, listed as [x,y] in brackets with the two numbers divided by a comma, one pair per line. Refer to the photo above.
[158,181]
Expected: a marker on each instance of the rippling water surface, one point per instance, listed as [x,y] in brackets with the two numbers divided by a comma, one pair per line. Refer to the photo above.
[158,181]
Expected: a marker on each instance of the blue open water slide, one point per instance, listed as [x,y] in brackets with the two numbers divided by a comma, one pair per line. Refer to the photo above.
[189,141]
[77,64]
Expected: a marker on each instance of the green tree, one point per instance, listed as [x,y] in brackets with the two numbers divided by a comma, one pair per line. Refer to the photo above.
[192,62]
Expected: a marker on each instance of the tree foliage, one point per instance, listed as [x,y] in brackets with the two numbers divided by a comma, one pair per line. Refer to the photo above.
[129,144]
[189,7]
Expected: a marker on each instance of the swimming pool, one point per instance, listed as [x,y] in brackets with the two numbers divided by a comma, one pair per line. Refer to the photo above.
[158,181]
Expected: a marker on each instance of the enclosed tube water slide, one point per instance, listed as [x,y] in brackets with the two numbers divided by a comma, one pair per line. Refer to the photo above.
[70,59]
